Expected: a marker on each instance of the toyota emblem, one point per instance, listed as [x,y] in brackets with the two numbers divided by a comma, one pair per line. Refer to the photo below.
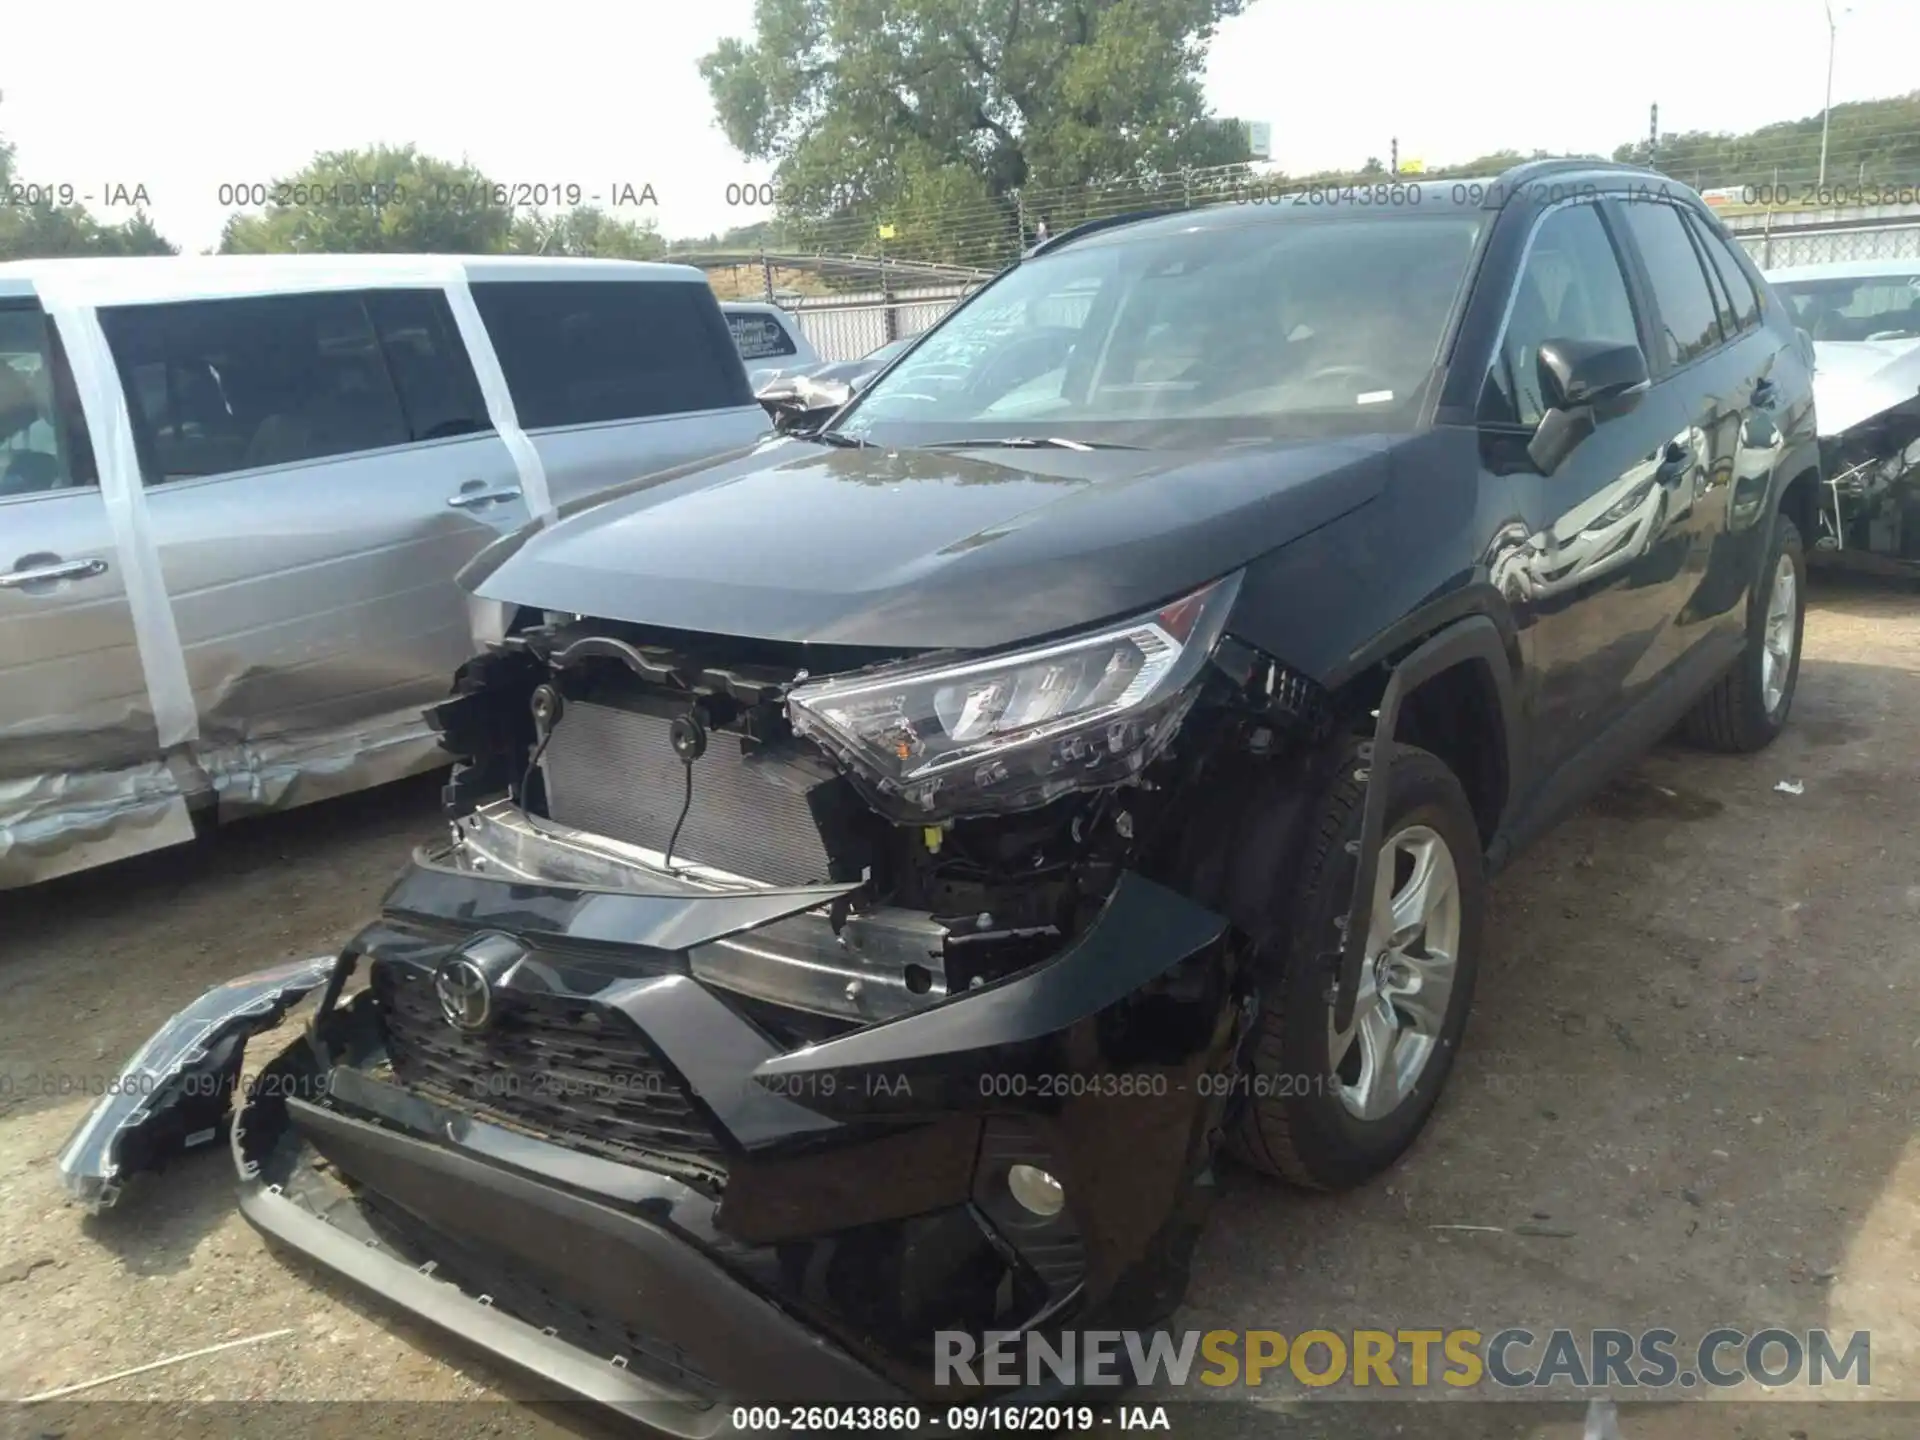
[465,996]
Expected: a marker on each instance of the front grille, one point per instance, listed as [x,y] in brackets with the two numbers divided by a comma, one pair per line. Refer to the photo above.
[613,772]
[568,1071]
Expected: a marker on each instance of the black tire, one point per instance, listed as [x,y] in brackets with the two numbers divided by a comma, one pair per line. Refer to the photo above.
[1734,716]
[1291,1121]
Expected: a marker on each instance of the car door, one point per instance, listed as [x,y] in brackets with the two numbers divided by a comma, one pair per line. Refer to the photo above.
[1588,568]
[1712,377]
[1765,365]
[616,378]
[317,467]
[76,725]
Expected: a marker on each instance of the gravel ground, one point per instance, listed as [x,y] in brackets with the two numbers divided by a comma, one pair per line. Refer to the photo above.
[1692,1072]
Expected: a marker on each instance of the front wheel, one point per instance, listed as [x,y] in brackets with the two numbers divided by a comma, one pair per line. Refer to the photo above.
[1327,1108]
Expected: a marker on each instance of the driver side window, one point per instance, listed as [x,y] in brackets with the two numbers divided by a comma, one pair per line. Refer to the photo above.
[43,432]
[1570,288]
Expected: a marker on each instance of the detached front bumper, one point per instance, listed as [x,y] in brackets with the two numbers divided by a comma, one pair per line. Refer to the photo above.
[828,1190]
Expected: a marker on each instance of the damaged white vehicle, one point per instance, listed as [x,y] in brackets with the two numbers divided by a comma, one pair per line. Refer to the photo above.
[1864,320]
[235,490]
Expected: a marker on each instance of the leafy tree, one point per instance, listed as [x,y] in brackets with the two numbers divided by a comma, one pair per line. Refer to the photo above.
[389,199]
[910,112]
[1874,140]
[586,230]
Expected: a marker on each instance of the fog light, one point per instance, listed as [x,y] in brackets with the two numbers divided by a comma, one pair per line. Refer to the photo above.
[1036,1190]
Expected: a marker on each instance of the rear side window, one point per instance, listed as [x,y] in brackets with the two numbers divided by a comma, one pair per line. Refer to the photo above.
[428,362]
[1686,305]
[760,337]
[216,386]
[1739,291]
[43,433]
[585,352]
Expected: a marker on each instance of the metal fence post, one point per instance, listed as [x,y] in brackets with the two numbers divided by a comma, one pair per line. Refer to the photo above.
[766,275]
[890,318]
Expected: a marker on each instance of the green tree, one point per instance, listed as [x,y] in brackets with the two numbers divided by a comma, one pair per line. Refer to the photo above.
[586,230]
[907,112]
[43,230]
[389,199]
[1872,141]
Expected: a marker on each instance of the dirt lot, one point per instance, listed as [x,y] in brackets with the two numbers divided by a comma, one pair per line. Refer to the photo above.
[1693,1072]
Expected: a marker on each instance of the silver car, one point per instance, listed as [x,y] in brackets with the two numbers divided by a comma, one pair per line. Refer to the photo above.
[770,341]
[234,493]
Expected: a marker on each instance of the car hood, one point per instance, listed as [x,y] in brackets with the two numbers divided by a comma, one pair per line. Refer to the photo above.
[1854,380]
[923,549]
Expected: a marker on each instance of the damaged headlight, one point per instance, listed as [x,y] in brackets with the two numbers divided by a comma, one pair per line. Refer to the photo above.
[1013,731]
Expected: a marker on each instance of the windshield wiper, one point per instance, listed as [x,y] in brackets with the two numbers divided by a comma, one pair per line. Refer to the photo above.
[831,437]
[1028,442]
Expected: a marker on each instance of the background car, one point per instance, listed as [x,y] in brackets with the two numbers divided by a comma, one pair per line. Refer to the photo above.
[770,341]
[1863,317]
[235,491]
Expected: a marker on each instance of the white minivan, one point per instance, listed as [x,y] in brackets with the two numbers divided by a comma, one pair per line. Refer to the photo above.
[235,491]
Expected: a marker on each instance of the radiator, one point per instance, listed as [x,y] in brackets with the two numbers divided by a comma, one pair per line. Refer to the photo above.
[613,772]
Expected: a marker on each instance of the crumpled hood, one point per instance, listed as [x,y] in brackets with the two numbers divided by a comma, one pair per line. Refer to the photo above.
[1854,380]
[924,549]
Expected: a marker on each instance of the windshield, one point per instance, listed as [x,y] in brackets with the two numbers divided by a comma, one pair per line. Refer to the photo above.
[1257,330]
[1857,307]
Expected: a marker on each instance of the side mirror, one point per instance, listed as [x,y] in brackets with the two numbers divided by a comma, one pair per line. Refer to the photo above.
[1590,372]
[1578,378]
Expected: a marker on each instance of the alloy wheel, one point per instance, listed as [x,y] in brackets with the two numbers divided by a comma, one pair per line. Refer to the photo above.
[1777,639]
[1406,980]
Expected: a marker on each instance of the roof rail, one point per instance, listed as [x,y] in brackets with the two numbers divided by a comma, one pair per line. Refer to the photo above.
[1528,173]
[1088,227]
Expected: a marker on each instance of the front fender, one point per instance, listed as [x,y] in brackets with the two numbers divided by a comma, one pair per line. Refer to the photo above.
[174,1092]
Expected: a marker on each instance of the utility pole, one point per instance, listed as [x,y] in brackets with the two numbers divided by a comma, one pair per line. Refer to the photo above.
[1393,165]
[1653,135]
[1833,35]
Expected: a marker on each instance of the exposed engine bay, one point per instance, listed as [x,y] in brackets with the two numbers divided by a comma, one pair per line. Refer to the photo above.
[682,753]
[1872,474]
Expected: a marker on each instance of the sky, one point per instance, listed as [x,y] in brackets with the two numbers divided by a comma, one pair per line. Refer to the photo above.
[182,99]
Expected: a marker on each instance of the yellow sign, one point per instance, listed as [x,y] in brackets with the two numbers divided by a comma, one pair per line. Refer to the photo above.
[1413,167]
[886,232]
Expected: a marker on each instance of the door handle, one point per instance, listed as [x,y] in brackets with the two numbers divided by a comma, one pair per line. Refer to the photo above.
[474,499]
[52,570]
[1676,460]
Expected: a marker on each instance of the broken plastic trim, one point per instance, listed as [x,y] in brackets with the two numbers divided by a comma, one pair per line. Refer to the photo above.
[175,1090]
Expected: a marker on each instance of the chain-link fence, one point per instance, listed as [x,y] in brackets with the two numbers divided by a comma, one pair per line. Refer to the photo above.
[1788,168]
[1885,240]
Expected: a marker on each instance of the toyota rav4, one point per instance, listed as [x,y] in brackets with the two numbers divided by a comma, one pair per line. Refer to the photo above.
[887,866]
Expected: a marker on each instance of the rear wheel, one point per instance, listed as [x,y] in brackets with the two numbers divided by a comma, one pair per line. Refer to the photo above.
[1328,1108]
[1747,707]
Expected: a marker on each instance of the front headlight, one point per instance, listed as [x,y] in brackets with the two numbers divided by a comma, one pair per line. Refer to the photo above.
[1013,731]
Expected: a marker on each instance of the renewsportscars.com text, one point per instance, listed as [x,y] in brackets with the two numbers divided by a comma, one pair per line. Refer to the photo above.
[1513,1358]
